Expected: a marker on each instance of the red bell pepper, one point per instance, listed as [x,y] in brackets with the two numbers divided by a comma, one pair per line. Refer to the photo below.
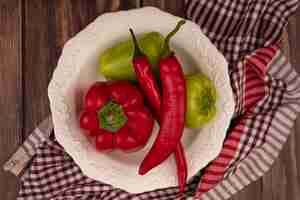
[149,86]
[111,111]
[172,110]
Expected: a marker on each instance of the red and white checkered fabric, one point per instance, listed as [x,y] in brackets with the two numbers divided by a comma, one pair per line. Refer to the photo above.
[267,96]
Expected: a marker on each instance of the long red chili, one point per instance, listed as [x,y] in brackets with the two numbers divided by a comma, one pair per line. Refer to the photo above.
[181,167]
[145,77]
[148,84]
[172,109]
[172,114]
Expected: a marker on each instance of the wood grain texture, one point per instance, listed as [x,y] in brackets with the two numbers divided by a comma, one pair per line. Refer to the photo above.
[38,63]
[32,35]
[174,7]
[293,152]
[11,113]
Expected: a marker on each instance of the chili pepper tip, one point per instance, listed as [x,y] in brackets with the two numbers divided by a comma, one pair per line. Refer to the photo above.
[142,171]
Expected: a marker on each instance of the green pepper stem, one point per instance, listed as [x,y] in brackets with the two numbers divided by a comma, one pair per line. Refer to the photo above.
[166,51]
[112,117]
[137,50]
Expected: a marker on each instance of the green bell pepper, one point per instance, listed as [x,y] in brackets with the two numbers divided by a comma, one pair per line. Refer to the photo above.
[115,62]
[201,100]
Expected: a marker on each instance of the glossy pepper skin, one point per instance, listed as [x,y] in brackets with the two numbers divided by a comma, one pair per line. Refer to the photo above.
[115,62]
[150,88]
[118,106]
[145,77]
[201,100]
[169,92]
[173,114]
[181,167]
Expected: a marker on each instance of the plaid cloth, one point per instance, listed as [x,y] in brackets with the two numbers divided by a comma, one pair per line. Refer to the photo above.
[267,96]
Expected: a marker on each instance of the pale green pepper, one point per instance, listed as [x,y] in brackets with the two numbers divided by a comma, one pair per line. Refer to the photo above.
[116,62]
[201,100]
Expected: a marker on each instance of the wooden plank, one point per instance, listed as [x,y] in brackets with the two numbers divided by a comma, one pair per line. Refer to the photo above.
[73,16]
[291,154]
[288,183]
[294,42]
[69,18]
[253,191]
[156,3]
[175,7]
[281,181]
[47,26]
[115,5]
[11,118]
[284,44]
[38,60]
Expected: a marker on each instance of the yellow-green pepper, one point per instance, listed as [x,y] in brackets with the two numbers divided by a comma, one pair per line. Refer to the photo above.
[201,100]
[115,62]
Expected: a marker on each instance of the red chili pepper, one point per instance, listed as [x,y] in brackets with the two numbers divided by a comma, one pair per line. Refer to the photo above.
[173,108]
[110,111]
[149,86]
[181,167]
[145,76]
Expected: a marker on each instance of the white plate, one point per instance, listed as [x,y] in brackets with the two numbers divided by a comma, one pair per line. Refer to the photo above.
[76,70]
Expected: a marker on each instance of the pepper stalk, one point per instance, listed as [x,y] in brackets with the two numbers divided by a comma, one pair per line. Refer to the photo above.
[137,51]
[166,51]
